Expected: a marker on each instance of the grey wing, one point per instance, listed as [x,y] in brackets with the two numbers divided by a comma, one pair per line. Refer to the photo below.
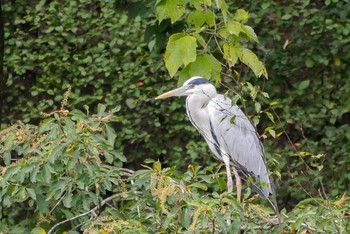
[238,139]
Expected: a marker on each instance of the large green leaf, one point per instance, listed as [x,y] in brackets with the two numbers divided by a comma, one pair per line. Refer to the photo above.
[181,50]
[205,65]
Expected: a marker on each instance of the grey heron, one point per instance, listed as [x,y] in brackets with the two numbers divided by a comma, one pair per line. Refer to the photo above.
[229,134]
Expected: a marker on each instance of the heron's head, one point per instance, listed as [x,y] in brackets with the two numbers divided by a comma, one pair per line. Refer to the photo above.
[194,85]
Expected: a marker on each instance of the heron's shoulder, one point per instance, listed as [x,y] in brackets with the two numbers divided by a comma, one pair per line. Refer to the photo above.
[221,99]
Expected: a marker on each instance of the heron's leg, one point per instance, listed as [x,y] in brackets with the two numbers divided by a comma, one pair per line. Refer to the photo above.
[229,181]
[229,178]
[238,184]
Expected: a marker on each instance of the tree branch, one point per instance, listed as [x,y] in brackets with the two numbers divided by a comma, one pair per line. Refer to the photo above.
[92,211]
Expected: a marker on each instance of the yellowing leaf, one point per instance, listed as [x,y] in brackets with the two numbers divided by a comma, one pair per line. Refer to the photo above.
[181,50]
[230,54]
[249,31]
[247,57]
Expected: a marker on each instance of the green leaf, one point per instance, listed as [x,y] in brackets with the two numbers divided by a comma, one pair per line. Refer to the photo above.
[31,193]
[157,166]
[234,27]
[200,40]
[162,12]
[205,65]
[286,17]
[119,156]
[111,135]
[181,50]
[215,67]
[131,103]
[270,116]
[199,185]
[67,200]
[101,109]
[38,230]
[247,57]
[302,85]
[241,15]
[209,18]
[108,156]
[257,107]
[233,119]
[272,133]
[47,174]
[197,18]
[175,8]
[200,67]
[7,158]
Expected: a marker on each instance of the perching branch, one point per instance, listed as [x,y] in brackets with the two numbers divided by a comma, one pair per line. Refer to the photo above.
[92,211]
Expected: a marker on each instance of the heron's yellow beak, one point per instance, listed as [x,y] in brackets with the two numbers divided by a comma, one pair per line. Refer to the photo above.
[175,92]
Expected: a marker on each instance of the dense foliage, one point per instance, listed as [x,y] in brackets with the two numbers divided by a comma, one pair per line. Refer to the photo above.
[64,168]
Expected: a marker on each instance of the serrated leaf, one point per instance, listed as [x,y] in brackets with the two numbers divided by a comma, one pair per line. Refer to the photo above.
[181,50]
[247,57]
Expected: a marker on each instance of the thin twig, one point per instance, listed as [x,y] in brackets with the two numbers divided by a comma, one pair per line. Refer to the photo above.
[92,211]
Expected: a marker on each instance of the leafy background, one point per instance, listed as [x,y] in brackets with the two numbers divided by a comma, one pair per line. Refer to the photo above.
[102,139]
